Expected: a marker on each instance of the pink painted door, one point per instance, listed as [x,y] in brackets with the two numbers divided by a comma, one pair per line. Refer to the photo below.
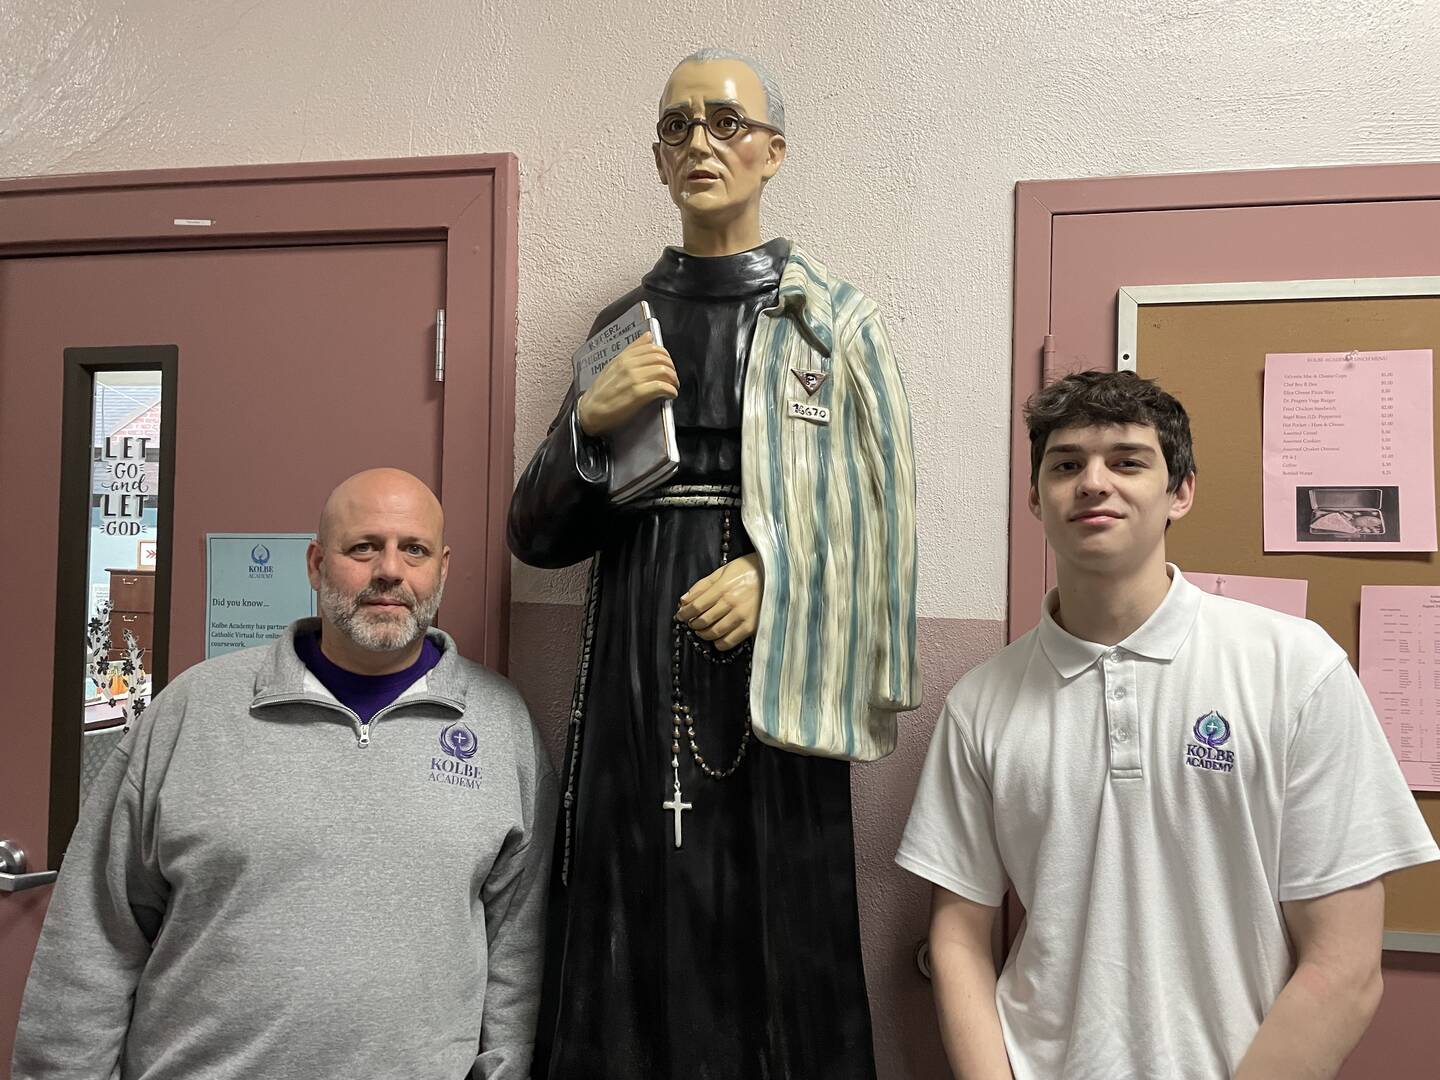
[297,366]
[1294,236]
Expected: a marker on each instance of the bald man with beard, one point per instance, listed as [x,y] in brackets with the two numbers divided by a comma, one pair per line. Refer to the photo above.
[326,856]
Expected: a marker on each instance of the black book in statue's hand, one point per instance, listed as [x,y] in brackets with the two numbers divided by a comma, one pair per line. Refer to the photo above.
[643,453]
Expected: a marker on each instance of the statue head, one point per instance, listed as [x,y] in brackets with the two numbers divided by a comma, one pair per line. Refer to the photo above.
[720,138]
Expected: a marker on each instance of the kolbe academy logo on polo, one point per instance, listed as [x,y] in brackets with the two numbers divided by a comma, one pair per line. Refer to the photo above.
[1212,731]
[458,745]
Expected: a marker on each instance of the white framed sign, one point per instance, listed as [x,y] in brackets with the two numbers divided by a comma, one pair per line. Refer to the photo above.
[255,586]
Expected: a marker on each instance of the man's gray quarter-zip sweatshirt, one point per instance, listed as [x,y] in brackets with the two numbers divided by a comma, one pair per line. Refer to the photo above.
[263,887]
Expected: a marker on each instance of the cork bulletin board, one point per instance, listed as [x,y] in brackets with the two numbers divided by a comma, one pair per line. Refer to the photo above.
[1207,345]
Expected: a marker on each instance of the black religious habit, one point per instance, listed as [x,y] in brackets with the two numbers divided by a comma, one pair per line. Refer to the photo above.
[735,956]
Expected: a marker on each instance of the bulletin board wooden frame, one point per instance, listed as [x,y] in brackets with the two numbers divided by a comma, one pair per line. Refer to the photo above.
[1207,343]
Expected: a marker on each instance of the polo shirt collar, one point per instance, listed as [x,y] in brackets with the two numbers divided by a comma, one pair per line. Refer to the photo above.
[1160,637]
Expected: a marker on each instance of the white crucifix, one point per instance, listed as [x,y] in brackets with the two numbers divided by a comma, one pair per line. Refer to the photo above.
[675,806]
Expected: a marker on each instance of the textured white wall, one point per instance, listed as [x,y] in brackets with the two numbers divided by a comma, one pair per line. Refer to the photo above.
[909,123]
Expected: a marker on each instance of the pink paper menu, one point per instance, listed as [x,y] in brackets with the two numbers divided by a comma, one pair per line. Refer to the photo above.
[1349,451]
[1280,594]
[1400,667]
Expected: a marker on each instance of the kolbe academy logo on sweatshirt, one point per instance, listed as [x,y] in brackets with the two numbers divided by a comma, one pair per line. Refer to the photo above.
[458,745]
[1212,731]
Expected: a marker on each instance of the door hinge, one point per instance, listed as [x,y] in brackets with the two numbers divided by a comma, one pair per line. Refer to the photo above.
[1047,358]
[440,345]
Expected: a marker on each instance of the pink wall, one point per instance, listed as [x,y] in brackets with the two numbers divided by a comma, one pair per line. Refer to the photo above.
[1403,1042]
[894,905]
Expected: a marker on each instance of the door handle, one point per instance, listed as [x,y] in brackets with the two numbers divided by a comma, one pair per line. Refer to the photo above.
[13,877]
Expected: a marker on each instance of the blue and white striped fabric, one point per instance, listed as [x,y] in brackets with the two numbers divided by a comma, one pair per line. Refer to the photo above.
[830,508]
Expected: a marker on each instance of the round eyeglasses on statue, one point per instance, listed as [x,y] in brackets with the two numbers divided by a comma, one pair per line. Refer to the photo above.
[723,124]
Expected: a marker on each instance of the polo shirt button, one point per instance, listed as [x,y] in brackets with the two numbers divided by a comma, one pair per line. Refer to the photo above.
[1114,656]
[1121,735]
[1119,693]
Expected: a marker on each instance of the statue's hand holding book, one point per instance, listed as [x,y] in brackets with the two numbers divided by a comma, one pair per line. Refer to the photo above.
[625,382]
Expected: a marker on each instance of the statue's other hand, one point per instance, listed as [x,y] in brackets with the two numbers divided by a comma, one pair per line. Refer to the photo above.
[724,606]
[642,373]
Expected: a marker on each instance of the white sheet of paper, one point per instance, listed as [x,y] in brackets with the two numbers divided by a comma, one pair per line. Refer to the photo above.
[256,584]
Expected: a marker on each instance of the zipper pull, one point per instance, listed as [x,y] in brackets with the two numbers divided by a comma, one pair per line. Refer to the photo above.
[364,739]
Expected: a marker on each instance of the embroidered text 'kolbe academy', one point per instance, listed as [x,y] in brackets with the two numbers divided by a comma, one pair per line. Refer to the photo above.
[1211,731]
[459,744]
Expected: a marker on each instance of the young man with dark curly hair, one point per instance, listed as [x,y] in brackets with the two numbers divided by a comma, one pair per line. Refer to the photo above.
[1190,795]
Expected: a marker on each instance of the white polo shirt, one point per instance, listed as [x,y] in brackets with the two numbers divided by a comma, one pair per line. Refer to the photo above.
[1152,804]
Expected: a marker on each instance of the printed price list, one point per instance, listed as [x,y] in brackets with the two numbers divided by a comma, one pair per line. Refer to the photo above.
[1400,668]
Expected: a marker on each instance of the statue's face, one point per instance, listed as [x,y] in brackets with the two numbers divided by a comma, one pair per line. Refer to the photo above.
[709,176]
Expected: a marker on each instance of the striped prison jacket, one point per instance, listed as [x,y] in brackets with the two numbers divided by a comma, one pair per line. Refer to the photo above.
[830,508]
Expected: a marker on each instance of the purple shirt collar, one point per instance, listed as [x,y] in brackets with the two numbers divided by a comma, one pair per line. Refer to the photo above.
[365,695]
